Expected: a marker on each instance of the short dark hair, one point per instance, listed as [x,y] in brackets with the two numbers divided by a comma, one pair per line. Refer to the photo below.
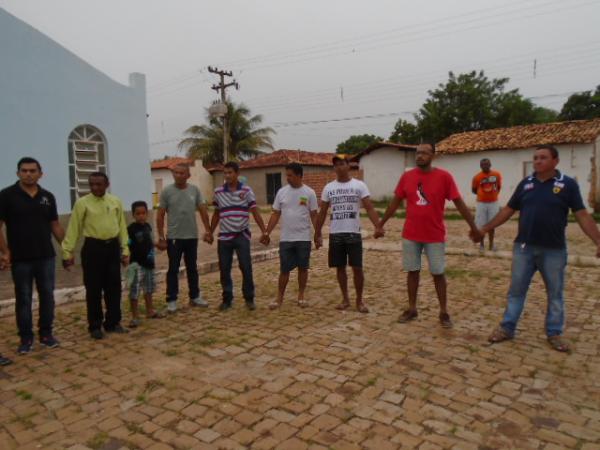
[139,204]
[484,159]
[98,175]
[295,167]
[430,143]
[28,160]
[232,165]
[552,149]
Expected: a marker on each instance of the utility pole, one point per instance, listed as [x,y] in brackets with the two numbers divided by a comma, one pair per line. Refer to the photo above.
[221,87]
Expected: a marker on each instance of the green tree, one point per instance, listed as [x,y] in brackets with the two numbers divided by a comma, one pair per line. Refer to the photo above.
[247,138]
[467,102]
[405,132]
[356,143]
[584,105]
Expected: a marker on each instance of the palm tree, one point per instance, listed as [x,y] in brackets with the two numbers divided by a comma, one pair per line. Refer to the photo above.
[246,139]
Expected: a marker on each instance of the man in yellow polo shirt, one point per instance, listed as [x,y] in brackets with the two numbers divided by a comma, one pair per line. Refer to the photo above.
[100,219]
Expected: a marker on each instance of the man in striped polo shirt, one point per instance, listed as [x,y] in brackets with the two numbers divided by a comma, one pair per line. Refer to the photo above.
[233,202]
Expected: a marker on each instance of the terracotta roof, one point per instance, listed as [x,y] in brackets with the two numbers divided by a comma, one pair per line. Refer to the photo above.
[383,144]
[170,162]
[283,157]
[525,136]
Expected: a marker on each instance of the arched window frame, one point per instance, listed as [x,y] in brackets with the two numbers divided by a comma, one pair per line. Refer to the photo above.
[87,154]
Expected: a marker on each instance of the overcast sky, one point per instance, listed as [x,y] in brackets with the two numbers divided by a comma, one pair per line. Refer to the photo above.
[311,60]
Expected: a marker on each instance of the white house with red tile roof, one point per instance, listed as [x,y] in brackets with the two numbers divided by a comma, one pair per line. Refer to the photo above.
[162,176]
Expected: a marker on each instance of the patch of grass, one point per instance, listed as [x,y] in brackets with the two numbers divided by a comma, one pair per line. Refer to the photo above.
[133,427]
[472,349]
[24,395]
[453,430]
[98,440]
[454,272]
[170,352]
[141,398]
[25,419]
[206,341]
[371,381]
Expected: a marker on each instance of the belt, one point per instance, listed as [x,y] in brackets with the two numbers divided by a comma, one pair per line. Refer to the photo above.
[103,241]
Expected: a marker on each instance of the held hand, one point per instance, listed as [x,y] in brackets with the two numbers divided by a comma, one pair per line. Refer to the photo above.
[67,263]
[476,235]
[265,239]
[161,245]
[379,232]
[5,261]
[598,251]
[208,238]
[125,260]
[318,241]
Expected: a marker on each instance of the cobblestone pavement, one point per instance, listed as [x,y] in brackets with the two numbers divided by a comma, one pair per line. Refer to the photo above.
[317,378]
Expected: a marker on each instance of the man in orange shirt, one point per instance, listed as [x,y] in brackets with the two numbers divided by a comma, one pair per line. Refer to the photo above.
[486,185]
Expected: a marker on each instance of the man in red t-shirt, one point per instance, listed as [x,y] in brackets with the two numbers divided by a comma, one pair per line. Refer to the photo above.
[426,190]
[486,185]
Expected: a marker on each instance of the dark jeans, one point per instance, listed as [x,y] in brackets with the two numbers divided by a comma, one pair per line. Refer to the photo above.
[241,246]
[101,263]
[23,274]
[188,248]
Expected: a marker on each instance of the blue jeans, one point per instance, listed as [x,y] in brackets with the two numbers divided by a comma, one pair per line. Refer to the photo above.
[188,248]
[23,274]
[241,246]
[551,263]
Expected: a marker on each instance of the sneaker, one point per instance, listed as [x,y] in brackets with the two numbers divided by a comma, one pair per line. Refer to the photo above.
[97,334]
[25,347]
[199,301]
[118,329]
[224,306]
[49,341]
[250,305]
[5,361]
[172,306]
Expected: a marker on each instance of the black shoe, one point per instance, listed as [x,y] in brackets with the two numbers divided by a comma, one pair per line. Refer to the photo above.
[250,305]
[117,329]
[49,341]
[224,306]
[25,347]
[97,334]
[5,361]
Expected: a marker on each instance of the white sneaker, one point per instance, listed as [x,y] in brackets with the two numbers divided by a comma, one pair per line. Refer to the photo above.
[199,301]
[172,306]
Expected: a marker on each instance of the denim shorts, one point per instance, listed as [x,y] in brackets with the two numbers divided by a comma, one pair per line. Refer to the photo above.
[412,251]
[294,254]
[140,279]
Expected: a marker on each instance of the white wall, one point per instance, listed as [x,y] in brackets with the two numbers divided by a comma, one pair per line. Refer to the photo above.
[46,92]
[575,161]
[200,177]
[382,169]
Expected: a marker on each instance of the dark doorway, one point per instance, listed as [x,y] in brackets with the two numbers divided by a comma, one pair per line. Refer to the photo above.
[273,185]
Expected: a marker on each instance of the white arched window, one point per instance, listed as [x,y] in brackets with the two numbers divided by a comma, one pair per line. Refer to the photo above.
[87,154]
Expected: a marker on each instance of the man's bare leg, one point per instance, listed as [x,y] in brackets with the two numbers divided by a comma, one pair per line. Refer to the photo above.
[302,281]
[359,282]
[342,278]
[281,285]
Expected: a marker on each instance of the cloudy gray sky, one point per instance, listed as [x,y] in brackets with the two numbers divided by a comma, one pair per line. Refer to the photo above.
[318,60]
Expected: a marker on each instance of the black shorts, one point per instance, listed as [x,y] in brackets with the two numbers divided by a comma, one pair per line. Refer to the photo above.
[294,254]
[345,249]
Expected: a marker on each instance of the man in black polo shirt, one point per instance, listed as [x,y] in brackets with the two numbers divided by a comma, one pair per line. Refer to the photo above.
[31,218]
[543,200]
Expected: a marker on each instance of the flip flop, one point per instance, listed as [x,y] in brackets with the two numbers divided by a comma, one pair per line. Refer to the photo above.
[302,303]
[156,315]
[342,306]
[407,315]
[362,308]
[274,305]
[558,344]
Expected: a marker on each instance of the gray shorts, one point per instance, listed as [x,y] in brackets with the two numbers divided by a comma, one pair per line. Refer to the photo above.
[139,279]
[294,254]
[412,251]
[485,211]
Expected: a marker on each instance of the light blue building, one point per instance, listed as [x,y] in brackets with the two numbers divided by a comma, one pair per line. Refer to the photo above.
[73,118]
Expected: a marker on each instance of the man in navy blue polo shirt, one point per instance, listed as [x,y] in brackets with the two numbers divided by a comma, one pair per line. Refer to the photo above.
[543,200]
[29,212]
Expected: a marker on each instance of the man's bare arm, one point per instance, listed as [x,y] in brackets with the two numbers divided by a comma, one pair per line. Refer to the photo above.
[589,227]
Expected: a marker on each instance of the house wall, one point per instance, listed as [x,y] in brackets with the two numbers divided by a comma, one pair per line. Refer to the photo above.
[257,178]
[382,169]
[575,161]
[46,93]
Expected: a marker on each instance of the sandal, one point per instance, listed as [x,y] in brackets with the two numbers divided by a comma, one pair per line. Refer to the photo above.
[274,305]
[156,315]
[134,323]
[499,335]
[302,303]
[342,306]
[558,344]
[445,320]
[408,315]
[362,308]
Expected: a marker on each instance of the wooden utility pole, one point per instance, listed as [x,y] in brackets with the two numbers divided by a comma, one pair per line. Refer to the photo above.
[221,87]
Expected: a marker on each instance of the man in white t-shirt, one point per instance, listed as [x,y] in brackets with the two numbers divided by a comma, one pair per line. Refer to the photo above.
[345,196]
[296,205]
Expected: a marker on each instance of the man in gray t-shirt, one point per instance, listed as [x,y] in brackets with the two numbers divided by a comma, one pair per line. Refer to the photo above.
[180,201]
[296,204]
